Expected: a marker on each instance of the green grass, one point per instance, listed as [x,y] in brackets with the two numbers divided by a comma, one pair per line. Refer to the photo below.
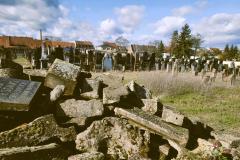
[218,105]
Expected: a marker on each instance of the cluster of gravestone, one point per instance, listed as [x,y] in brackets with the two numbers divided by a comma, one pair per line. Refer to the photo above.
[65,113]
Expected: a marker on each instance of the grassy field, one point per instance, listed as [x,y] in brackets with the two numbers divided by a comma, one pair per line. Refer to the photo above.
[217,104]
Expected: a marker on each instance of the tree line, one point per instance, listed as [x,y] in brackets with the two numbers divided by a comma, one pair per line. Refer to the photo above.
[185,44]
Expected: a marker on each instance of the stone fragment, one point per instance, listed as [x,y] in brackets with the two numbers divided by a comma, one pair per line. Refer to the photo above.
[35,74]
[79,108]
[88,156]
[38,131]
[16,94]
[152,106]
[79,121]
[115,95]
[115,137]
[155,124]
[10,69]
[227,140]
[43,152]
[140,91]
[63,73]
[110,80]
[204,146]
[91,89]
[171,115]
[165,149]
[57,92]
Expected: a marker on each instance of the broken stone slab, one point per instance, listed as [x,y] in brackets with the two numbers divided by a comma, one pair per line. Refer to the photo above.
[115,137]
[115,95]
[227,140]
[140,91]
[110,80]
[35,72]
[121,96]
[48,151]
[36,132]
[57,92]
[91,89]
[171,115]
[88,156]
[152,106]
[16,94]
[10,69]
[197,128]
[63,73]
[154,124]
[80,108]
[79,121]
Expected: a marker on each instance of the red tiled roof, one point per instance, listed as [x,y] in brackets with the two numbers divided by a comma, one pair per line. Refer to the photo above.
[110,44]
[88,43]
[29,42]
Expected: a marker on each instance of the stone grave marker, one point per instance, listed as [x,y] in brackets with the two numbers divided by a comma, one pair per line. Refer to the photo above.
[16,94]
[62,73]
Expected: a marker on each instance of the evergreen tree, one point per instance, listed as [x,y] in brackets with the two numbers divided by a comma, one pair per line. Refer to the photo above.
[174,46]
[185,41]
[235,52]
[231,52]
[226,51]
[161,47]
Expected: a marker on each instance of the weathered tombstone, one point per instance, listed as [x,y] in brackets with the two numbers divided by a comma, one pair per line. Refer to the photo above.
[107,63]
[17,95]
[62,73]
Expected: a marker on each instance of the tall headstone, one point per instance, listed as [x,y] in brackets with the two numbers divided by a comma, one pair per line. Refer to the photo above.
[16,94]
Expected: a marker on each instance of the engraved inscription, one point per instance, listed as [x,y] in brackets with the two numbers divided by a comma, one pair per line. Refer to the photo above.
[15,91]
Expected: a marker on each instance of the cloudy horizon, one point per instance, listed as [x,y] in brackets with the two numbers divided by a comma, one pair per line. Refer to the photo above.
[139,21]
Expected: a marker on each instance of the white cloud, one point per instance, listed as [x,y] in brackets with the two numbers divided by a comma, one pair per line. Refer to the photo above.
[23,17]
[129,17]
[220,28]
[109,26]
[168,24]
[126,22]
[182,11]
[198,6]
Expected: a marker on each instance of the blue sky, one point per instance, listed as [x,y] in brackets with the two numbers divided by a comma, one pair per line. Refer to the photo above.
[140,21]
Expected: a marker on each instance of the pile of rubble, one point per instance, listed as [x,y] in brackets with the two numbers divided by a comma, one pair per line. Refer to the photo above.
[69,114]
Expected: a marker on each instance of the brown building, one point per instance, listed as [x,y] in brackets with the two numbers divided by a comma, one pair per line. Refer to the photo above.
[109,46]
[24,46]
